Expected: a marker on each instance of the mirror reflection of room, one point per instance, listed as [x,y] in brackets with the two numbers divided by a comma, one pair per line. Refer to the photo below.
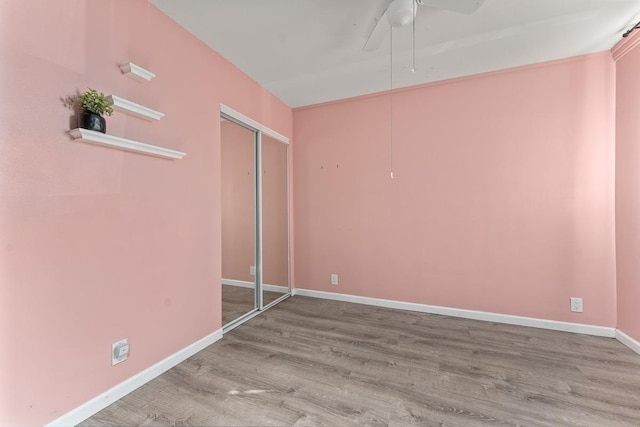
[238,220]
[275,220]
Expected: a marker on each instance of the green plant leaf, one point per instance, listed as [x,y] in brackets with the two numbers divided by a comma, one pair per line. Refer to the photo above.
[95,102]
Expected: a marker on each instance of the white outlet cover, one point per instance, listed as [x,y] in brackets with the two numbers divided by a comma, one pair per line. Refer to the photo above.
[114,359]
[576,305]
[334,279]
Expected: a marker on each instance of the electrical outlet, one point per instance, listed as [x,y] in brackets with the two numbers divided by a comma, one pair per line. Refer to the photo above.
[334,279]
[252,270]
[576,305]
[119,351]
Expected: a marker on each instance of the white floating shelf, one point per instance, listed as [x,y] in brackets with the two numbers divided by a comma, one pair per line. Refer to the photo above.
[137,110]
[99,138]
[136,72]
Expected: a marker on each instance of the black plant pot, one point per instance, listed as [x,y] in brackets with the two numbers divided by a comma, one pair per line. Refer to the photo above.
[93,121]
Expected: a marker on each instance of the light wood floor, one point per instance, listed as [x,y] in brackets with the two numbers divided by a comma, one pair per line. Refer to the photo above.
[310,362]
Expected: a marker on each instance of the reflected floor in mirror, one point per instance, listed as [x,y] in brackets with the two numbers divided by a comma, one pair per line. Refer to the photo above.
[312,362]
[237,300]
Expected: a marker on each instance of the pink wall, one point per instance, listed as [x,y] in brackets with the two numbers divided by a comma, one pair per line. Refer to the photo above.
[502,199]
[238,201]
[628,186]
[99,244]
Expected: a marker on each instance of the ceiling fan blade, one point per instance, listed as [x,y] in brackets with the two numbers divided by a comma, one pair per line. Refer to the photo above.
[460,6]
[379,30]
[377,36]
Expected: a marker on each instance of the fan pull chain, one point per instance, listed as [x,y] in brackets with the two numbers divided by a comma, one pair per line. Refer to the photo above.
[413,65]
[391,100]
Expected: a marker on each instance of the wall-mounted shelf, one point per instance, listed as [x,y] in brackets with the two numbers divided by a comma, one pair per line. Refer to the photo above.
[93,137]
[134,109]
[136,72]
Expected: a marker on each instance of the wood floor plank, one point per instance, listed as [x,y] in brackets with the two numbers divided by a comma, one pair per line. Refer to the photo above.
[312,362]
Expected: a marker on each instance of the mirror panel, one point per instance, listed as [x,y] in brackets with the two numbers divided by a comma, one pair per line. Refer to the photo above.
[238,220]
[275,220]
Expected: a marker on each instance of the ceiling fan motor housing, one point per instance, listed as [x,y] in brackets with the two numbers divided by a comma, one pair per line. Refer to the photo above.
[401,12]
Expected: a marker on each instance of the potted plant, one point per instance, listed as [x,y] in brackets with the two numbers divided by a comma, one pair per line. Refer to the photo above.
[94,105]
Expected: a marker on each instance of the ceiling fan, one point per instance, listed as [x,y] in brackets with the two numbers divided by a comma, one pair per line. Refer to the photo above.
[398,13]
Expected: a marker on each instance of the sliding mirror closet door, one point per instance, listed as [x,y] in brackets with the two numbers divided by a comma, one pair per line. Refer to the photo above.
[238,221]
[275,220]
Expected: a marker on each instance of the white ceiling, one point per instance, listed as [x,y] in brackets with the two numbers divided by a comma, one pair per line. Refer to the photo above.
[310,51]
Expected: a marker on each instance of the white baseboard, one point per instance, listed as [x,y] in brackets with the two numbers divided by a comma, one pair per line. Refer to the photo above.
[628,341]
[105,399]
[238,283]
[532,322]
[100,402]
[244,284]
